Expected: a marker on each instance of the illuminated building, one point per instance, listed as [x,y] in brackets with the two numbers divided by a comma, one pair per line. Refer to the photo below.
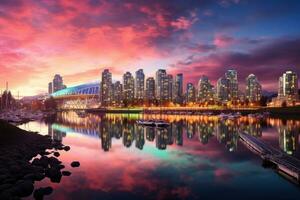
[233,88]
[106,88]
[253,89]
[160,77]
[117,90]
[222,89]
[150,88]
[139,84]
[178,88]
[168,85]
[205,92]
[287,90]
[288,86]
[128,87]
[190,93]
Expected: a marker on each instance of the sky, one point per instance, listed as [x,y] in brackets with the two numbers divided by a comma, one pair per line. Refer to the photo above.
[78,39]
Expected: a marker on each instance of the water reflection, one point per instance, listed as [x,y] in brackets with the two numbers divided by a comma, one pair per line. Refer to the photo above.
[195,157]
[123,127]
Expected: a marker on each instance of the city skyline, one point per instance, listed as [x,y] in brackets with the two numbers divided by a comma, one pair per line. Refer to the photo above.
[164,89]
[79,41]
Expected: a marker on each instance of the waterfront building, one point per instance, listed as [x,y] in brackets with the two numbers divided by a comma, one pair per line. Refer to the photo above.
[139,84]
[57,83]
[150,89]
[222,91]
[190,93]
[205,92]
[287,90]
[178,89]
[253,89]
[288,86]
[117,93]
[106,88]
[168,86]
[128,87]
[50,88]
[160,77]
[233,88]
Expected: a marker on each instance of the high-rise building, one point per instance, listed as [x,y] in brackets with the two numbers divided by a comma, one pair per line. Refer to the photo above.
[57,83]
[178,88]
[169,87]
[253,89]
[150,88]
[160,77]
[128,87]
[288,86]
[205,92]
[190,93]
[222,89]
[106,88]
[50,88]
[139,84]
[231,75]
[117,93]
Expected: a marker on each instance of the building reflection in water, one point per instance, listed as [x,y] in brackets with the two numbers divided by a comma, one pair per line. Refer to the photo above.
[55,134]
[123,127]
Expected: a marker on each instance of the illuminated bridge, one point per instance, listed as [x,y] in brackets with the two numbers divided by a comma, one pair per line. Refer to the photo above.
[78,97]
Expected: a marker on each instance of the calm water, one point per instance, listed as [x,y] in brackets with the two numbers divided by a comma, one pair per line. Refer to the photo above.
[197,157]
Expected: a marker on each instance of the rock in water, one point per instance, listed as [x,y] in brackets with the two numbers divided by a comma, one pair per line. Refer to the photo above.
[66,173]
[67,148]
[75,164]
[56,154]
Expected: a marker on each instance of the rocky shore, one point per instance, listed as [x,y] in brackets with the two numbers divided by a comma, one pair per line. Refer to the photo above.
[26,157]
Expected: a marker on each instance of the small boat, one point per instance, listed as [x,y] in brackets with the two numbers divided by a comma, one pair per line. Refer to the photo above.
[146,122]
[161,123]
[157,123]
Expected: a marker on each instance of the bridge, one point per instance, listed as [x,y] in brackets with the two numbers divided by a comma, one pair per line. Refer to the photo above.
[82,96]
[283,162]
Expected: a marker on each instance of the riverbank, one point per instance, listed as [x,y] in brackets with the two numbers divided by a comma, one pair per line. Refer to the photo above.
[17,172]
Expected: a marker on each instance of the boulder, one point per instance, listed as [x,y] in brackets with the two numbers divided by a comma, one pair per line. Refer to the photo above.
[75,164]
[56,154]
[67,148]
[66,173]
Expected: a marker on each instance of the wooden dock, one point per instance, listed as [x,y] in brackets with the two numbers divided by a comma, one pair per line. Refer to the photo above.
[283,162]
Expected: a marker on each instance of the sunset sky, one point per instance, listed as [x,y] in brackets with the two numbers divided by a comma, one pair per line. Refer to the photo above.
[78,39]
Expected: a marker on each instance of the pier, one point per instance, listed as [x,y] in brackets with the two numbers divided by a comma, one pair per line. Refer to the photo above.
[284,163]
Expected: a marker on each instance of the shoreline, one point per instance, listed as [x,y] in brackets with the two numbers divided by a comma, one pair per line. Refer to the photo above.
[17,173]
